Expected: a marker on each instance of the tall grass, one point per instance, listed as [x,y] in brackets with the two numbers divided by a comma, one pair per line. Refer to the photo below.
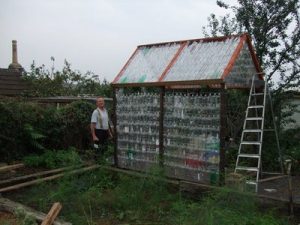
[118,199]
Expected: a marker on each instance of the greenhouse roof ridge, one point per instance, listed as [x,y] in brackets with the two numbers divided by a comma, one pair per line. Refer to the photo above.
[228,58]
[205,39]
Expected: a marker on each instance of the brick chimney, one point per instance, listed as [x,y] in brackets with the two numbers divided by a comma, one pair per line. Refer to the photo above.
[14,64]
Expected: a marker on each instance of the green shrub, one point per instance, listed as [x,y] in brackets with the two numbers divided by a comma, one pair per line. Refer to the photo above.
[29,128]
[76,119]
[20,132]
[290,146]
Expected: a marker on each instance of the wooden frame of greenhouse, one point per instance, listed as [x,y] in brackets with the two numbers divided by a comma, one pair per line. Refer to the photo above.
[170,105]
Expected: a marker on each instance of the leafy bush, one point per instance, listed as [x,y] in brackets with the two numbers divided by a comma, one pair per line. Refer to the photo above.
[42,82]
[291,147]
[20,132]
[54,159]
[75,119]
[28,128]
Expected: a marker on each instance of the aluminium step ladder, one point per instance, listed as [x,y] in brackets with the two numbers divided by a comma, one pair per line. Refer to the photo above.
[250,151]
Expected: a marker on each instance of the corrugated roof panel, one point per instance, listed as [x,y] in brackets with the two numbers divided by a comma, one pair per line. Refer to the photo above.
[243,69]
[203,60]
[148,63]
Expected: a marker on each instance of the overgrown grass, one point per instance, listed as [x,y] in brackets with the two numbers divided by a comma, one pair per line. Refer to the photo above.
[54,159]
[119,199]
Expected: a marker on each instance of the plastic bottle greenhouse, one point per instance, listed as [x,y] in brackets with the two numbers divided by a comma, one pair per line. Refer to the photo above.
[170,105]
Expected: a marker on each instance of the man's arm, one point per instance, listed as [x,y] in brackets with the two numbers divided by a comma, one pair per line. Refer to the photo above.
[110,130]
[93,128]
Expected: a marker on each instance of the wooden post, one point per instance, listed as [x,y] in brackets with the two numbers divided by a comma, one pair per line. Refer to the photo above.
[54,211]
[222,134]
[161,126]
[115,127]
[288,164]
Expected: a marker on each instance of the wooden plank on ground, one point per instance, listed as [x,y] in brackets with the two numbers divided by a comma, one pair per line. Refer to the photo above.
[54,211]
[140,174]
[36,181]
[272,178]
[14,179]
[11,167]
[10,206]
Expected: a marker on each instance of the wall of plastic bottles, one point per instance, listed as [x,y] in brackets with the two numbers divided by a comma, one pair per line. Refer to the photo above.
[191,127]
[243,69]
[138,129]
[191,135]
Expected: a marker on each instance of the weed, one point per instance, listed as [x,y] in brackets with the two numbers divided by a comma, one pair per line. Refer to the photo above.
[92,197]
[24,218]
[53,159]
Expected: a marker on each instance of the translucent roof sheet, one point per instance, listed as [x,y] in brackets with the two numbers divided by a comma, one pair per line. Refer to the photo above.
[231,59]
[202,60]
[148,63]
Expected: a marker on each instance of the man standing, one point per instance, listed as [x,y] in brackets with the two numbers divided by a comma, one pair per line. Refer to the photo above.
[100,127]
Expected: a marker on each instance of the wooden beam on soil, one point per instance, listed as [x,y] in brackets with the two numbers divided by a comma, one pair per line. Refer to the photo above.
[11,180]
[193,187]
[141,175]
[37,181]
[54,211]
[272,178]
[11,167]
[11,206]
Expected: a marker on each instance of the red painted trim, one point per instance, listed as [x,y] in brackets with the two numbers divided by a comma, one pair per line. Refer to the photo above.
[172,61]
[125,66]
[234,56]
[209,39]
[254,57]
[169,83]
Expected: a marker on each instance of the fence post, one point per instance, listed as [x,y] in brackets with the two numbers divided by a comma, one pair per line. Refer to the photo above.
[161,127]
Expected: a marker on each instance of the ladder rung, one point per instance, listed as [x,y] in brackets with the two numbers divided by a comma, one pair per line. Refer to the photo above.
[255,169]
[254,118]
[255,106]
[252,130]
[244,155]
[250,143]
[257,94]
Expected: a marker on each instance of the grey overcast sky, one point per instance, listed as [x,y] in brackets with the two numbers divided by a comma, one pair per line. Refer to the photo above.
[95,35]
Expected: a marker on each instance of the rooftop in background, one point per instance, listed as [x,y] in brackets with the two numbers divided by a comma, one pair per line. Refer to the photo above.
[230,59]
[11,83]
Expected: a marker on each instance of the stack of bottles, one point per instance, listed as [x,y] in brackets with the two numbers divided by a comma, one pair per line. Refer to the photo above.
[191,131]
[191,127]
[137,126]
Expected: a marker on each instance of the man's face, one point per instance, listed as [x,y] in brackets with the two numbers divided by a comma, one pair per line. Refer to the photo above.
[100,102]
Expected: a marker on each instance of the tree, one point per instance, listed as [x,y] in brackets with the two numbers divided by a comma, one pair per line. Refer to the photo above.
[274,26]
[68,82]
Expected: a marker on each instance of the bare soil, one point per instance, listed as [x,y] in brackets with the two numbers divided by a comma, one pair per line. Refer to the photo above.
[279,188]
[7,218]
